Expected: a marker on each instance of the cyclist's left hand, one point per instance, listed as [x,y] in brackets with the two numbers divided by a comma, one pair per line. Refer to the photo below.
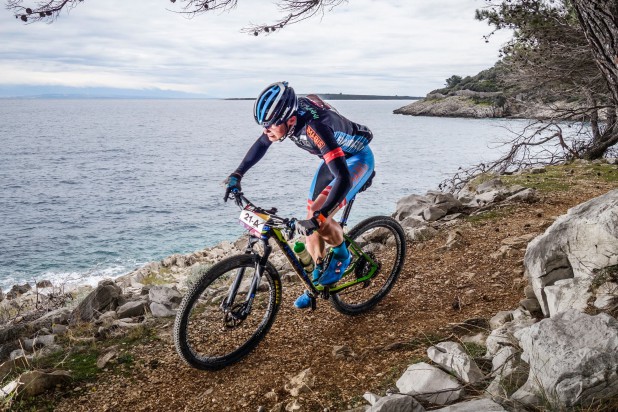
[306,227]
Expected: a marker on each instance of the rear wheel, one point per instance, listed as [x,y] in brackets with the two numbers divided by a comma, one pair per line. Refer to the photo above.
[211,333]
[383,244]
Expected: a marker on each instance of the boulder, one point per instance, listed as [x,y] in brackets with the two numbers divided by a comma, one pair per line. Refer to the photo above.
[39,342]
[105,297]
[34,383]
[131,309]
[164,295]
[397,403]
[444,201]
[574,246]
[428,383]
[163,301]
[18,290]
[606,296]
[44,284]
[505,335]
[500,318]
[452,357]
[573,359]
[568,294]
[412,205]
[433,213]
[491,185]
[526,196]
[159,310]
[421,233]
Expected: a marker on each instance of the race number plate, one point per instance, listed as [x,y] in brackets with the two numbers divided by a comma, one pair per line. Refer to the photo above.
[253,222]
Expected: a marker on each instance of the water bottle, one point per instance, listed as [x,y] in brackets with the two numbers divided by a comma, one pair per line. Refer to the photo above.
[304,256]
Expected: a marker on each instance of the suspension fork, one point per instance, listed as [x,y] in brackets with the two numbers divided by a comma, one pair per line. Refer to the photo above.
[240,274]
[255,282]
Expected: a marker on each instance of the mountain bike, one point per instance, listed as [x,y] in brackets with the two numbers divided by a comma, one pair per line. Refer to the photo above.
[232,306]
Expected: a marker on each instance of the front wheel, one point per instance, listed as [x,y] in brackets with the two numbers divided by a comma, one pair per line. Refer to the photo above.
[210,332]
[383,244]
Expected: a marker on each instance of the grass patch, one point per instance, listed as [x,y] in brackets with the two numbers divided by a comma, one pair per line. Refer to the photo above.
[80,361]
[474,349]
[488,215]
[162,277]
[562,178]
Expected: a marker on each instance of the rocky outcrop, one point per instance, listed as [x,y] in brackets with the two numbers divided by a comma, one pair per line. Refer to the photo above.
[105,297]
[451,106]
[573,360]
[563,263]
[467,103]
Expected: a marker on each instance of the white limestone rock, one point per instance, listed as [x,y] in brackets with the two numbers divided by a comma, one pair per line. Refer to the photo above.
[574,246]
[573,359]
[429,383]
[453,357]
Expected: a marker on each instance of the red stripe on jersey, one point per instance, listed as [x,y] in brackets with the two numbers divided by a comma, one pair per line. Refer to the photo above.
[333,154]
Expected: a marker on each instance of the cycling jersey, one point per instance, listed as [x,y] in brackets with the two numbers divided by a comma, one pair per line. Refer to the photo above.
[321,131]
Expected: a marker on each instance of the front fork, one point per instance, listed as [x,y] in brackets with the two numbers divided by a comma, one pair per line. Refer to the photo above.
[245,308]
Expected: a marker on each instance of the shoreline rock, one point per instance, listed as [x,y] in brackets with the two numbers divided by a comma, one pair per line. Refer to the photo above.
[479,105]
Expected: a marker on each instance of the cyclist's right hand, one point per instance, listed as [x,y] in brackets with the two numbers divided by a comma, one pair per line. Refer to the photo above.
[232,185]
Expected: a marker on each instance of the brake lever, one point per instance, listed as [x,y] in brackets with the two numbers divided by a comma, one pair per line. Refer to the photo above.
[289,226]
[238,198]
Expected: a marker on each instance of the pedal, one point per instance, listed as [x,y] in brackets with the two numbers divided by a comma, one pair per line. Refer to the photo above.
[325,292]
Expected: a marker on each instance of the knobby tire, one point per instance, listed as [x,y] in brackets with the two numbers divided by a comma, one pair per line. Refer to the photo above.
[196,319]
[388,246]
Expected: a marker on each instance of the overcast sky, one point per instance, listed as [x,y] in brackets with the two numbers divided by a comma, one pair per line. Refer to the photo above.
[386,47]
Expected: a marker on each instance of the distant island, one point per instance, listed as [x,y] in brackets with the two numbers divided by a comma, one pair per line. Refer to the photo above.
[342,96]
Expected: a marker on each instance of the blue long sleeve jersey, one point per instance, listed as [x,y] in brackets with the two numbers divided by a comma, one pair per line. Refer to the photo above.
[323,132]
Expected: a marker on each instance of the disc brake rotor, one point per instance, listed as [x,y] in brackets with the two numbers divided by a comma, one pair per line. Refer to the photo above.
[234,317]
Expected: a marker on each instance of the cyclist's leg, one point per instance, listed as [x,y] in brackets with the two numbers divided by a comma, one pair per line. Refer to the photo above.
[318,192]
[361,167]
[315,243]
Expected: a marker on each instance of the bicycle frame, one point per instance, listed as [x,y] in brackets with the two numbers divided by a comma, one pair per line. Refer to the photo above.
[274,228]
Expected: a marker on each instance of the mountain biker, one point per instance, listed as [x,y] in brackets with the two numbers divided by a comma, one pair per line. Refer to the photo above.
[347,164]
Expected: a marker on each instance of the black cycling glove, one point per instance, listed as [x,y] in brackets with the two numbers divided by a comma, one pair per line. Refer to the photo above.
[232,182]
[306,227]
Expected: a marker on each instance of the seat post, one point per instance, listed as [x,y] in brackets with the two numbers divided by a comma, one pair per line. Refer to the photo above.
[346,212]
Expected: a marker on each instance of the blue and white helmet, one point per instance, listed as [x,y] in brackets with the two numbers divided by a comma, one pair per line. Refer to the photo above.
[276,104]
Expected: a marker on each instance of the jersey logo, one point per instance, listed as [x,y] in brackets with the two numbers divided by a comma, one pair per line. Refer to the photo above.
[315,137]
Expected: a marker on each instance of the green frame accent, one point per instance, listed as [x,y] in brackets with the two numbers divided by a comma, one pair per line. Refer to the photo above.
[352,246]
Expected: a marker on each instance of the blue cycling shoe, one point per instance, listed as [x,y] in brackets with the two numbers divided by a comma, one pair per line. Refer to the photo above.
[303,301]
[338,264]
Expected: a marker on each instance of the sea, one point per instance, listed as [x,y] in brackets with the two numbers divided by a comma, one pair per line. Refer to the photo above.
[91,189]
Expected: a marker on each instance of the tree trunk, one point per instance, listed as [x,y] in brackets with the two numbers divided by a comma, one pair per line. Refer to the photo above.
[599,19]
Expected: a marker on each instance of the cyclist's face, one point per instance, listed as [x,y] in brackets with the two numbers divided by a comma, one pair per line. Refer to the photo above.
[274,133]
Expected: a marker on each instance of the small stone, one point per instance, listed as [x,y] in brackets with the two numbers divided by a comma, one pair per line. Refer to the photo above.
[103,360]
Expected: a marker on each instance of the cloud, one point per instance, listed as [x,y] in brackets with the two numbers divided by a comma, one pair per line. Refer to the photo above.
[363,46]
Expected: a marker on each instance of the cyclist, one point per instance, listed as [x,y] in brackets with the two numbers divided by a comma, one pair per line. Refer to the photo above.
[347,164]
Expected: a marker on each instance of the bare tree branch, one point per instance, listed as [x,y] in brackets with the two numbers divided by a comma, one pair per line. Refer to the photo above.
[293,10]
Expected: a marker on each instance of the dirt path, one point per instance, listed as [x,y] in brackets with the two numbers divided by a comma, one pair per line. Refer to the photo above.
[435,289]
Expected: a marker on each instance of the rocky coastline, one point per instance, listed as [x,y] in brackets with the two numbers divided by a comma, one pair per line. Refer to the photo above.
[557,349]
[480,105]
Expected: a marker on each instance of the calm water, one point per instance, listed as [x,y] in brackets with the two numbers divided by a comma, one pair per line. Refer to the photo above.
[92,188]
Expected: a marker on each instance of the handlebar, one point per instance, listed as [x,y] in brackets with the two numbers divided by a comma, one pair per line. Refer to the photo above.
[277,221]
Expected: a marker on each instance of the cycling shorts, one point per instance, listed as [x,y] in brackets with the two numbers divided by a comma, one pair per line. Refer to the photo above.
[361,167]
